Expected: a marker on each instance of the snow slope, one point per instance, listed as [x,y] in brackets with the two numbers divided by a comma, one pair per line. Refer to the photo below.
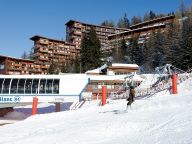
[162,119]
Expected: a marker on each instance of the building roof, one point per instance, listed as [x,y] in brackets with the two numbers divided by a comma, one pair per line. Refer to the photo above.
[36,37]
[113,65]
[3,56]
[125,65]
[139,29]
[154,20]
[72,21]
[97,70]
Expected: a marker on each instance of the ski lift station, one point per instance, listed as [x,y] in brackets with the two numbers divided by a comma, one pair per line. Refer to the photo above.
[20,89]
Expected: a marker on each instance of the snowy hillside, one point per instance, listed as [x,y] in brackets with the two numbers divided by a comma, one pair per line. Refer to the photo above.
[162,119]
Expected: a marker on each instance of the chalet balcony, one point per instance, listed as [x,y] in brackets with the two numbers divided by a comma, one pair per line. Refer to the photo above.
[14,68]
[77,26]
[37,71]
[17,65]
[43,59]
[44,42]
[77,33]
[44,67]
[43,50]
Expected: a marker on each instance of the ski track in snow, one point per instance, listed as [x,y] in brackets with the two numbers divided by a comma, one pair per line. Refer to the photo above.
[161,119]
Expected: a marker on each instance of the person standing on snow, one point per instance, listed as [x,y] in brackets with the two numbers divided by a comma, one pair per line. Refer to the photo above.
[131,96]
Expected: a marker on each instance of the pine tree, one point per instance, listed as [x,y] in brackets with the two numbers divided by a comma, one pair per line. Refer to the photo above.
[108,23]
[119,53]
[125,21]
[187,41]
[152,15]
[174,52]
[31,54]
[136,20]
[146,17]
[182,8]
[54,68]
[24,55]
[84,52]
[63,68]
[95,49]
[77,64]
[90,53]
[159,57]
[120,23]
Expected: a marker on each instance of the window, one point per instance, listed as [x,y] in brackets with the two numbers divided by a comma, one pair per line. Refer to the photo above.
[1,84]
[56,86]
[94,86]
[21,86]
[14,86]
[35,86]
[6,86]
[2,67]
[28,86]
[49,86]
[42,86]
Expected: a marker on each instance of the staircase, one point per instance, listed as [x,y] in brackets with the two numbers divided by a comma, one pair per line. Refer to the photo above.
[77,105]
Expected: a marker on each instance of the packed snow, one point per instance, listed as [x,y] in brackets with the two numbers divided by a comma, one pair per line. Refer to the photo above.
[161,119]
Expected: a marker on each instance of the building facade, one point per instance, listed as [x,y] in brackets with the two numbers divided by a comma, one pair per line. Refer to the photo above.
[11,65]
[75,30]
[142,30]
[47,51]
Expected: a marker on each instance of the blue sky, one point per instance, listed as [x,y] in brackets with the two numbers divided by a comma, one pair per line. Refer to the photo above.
[22,19]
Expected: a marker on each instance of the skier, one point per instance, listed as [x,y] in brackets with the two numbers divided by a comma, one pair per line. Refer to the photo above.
[131,96]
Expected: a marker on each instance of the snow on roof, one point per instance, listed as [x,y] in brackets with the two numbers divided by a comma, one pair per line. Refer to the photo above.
[124,65]
[114,77]
[97,70]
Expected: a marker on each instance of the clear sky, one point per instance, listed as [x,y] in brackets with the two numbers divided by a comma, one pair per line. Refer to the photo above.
[22,19]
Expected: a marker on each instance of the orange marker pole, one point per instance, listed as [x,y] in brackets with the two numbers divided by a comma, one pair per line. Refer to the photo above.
[104,95]
[34,106]
[174,84]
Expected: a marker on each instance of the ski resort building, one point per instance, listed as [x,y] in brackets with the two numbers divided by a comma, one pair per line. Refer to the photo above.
[142,31]
[47,51]
[16,66]
[75,30]
[20,89]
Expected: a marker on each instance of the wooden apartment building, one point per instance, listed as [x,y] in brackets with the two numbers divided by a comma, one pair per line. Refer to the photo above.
[75,30]
[47,51]
[143,30]
[11,65]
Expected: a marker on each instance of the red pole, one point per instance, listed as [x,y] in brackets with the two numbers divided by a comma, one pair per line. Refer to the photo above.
[57,107]
[174,84]
[104,95]
[34,106]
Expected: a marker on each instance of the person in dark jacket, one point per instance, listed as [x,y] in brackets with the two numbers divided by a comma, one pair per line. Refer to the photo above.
[131,96]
